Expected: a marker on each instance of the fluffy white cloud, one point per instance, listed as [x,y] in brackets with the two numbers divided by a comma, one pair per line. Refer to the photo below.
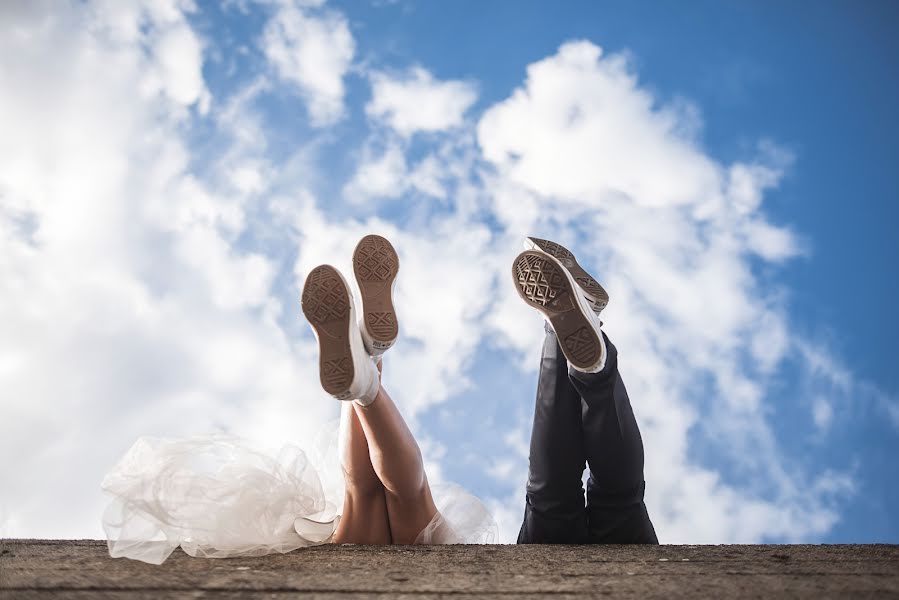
[387,175]
[128,307]
[415,101]
[312,51]
[582,127]
[383,176]
[174,62]
[583,154]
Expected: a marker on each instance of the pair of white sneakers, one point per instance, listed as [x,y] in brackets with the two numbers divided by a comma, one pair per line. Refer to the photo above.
[546,275]
[349,350]
[549,279]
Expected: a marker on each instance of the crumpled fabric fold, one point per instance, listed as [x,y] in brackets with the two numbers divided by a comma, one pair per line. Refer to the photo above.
[215,496]
[219,496]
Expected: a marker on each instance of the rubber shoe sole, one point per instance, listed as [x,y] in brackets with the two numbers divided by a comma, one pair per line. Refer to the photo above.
[376,264]
[327,305]
[595,293]
[544,284]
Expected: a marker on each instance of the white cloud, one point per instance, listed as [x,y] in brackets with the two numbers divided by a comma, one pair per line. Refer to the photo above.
[416,102]
[128,307]
[573,102]
[508,513]
[313,51]
[174,52]
[822,413]
[383,176]
[581,153]
[428,176]
[179,72]
[836,390]
[387,175]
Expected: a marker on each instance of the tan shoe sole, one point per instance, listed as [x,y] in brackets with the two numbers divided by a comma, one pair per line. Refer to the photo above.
[326,304]
[543,284]
[376,264]
[594,292]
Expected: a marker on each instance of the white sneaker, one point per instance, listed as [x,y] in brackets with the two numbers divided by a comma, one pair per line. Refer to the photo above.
[545,284]
[595,293]
[376,264]
[345,368]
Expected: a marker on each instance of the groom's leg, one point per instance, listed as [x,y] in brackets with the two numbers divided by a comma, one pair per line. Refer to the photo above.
[554,512]
[614,452]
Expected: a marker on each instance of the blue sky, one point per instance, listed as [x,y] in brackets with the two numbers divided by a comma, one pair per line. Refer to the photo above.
[726,169]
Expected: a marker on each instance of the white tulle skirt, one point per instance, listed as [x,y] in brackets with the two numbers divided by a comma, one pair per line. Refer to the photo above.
[220,496]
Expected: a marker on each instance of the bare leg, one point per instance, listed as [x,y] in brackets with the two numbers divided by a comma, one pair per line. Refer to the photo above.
[364,519]
[396,459]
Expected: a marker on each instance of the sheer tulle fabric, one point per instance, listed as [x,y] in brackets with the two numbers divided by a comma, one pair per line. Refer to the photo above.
[220,496]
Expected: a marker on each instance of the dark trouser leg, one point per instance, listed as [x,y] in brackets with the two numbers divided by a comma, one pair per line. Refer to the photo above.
[555,513]
[614,450]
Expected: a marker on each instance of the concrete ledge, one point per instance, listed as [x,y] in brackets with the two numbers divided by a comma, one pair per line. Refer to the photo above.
[83,569]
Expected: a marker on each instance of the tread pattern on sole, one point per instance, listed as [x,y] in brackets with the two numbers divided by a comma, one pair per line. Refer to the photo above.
[376,264]
[541,282]
[544,284]
[584,279]
[326,304]
[375,259]
[591,286]
[581,346]
[555,250]
[324,296]
[337,372]
[381,324]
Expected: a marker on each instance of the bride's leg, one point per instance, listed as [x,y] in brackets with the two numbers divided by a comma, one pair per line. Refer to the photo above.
[346,372]
[396,459]
[364,519]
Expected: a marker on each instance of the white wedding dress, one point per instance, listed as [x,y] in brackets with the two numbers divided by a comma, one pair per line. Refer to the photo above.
[220,496]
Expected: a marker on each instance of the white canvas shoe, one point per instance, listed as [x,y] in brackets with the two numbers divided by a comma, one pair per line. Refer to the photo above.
[345,368]
[594,292]
[376,264]
[545,284]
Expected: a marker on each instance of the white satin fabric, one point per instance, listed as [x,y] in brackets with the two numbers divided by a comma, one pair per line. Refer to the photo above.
[220,496]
